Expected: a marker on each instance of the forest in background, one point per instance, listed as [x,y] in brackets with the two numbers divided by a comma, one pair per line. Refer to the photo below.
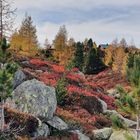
[94,88]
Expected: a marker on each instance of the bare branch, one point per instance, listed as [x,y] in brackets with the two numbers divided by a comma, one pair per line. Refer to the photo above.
[7,16]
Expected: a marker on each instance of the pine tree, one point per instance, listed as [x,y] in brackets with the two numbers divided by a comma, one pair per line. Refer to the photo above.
[61,39]
[93,63]
[61,90]
[60,43]
[25,39]
[130,63]
[6,75]
[123,42]
[47,44]
[90,62]
[79,56]
[90,43]
[131,103]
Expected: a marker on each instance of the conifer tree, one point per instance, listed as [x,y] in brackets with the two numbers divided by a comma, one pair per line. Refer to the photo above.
[60,43]
[61,39]
[6,74]
[79,56]
[47,44]
[131,103]
[25,39]
[28,32]
[90,62]
[90,43]
[130,63]
[93,64]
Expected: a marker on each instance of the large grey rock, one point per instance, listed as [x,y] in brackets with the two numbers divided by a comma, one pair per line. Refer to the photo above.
[57,123]
[104,105]
[102,134]
[81,74]
[25,62]
[127,122]
[81,136]
[43,130]
[121,135]
[19,77]
[114,93]
[34,97]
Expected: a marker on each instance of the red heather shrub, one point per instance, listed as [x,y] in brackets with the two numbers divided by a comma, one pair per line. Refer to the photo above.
[75,70]
[26,122]
[49,82]
[89,94]
[91,84]
[49,78]
[101,74]
[102,121]
[89,127]
[50,75]
[39,62]
[109,100]
[57,68]
[73,136]
[92,105]
[80,116]
[75,89]
[74,77]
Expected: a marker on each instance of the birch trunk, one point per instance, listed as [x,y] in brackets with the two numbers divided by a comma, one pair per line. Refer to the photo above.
[138,126]
[2,116]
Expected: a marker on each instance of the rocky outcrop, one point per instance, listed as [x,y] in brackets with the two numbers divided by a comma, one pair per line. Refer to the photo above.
[81,74]
[127,122]
[81,136]
[19,78]
[42,130]
[102,134]
[57,123]
[34,97]
[114,93]
[92,105]
[104,105]
[123,135]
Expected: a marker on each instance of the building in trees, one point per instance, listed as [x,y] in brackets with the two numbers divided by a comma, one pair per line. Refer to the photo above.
[25,39]
[7,16]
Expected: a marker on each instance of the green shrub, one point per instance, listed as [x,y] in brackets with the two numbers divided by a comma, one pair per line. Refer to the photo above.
[128,136]
[61,91]
[117,122]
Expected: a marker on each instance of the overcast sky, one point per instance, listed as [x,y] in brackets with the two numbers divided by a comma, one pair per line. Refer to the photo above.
[101,20]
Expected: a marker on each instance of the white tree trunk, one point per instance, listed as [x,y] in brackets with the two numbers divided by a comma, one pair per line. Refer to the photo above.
[2,116]
[138,127]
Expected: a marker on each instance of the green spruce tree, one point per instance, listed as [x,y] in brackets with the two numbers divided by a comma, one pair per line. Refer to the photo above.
[79,56]
[93,63]
[6,76]
[131,103]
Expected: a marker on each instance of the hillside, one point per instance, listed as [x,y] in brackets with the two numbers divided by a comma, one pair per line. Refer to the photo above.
[84,107]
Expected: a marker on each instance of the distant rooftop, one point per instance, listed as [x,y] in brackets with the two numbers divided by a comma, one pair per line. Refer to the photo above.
[104,46]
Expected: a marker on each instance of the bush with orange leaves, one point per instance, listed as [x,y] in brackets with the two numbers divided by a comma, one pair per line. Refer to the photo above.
[27,123]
